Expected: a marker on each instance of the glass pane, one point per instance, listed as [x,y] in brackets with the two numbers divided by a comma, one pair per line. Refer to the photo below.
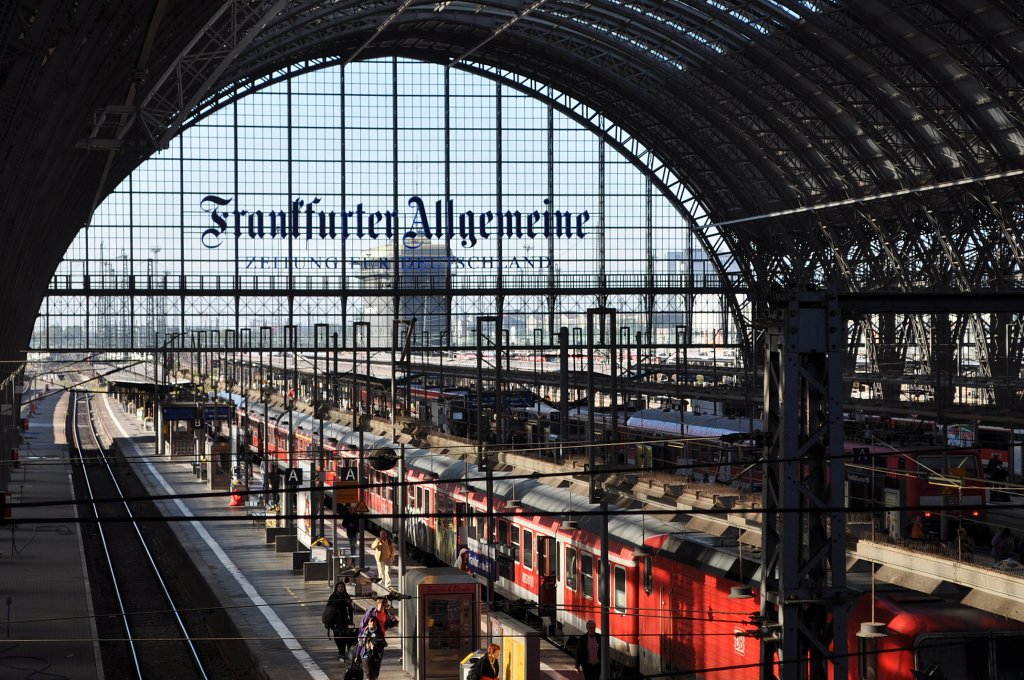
[570,568]
[620,589]
[955,657]
[587,575]
[1009,660]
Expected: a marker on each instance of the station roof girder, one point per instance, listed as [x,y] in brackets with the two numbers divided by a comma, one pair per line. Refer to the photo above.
[796,124]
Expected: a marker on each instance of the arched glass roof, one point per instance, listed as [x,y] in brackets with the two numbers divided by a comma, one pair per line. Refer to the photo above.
[315,197]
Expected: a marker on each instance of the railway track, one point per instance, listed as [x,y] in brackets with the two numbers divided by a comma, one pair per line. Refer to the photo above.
[143,632]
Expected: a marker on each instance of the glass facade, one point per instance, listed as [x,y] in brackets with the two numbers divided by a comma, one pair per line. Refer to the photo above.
[382,190]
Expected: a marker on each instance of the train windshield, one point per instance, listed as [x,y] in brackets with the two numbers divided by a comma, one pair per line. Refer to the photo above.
[974,656]
[939,463]
[1009,660]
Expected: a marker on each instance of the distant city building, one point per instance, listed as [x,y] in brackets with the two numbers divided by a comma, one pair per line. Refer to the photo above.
[424,269]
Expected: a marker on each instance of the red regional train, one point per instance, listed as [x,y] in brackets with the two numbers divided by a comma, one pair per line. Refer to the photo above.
[669,585]
[942,484]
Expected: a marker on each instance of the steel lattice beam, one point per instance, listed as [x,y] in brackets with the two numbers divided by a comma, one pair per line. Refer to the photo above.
[804,596]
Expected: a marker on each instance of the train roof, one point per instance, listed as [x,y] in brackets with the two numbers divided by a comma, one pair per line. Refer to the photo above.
[259,409]
[554,500]
[429,461]
[236,399]
[635,529]
[918,614]
[707,553]
[697,425]
[625,527]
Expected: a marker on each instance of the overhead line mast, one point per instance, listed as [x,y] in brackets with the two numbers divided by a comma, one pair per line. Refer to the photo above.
[804,605]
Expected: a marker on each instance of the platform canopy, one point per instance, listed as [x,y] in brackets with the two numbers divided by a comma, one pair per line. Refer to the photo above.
[877,143]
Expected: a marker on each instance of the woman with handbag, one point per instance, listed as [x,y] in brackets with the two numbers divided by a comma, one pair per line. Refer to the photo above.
[338,617]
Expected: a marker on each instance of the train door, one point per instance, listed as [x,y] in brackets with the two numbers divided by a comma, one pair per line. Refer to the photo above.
[461,527]
[547,572]
[677,646]
[893,523]
[567,596]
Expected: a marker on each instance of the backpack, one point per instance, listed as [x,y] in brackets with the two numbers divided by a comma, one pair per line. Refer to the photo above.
[476,670]
[329,616]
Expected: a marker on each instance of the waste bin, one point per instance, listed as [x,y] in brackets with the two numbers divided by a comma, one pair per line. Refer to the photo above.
[467,664]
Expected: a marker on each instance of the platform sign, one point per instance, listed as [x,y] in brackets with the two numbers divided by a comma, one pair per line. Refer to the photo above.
[292,477]
[361,508]
[479,562]
[218,412]
[171,413]
[197,412]
[346,486]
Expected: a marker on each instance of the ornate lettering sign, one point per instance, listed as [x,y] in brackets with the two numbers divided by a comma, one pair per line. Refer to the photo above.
[306,220]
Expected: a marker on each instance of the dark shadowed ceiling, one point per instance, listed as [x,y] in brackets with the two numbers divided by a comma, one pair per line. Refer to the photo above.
[878,144]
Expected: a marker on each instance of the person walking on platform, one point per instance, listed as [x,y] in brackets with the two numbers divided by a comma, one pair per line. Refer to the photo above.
[350,523]
[487,666]
[379,613]
[340,621]
[371,648]
[1002,545]
[383,549]
[917,528]
[588,653]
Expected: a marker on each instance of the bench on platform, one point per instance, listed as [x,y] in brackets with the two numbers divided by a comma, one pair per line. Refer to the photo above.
[257,516]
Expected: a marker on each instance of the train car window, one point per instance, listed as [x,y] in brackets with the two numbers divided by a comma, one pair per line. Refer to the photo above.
[460,511]
[930,464]
[648,575]
[570,568]
[957,657]
[426,500]
[419,498]
[1009,662]
[968,462]
[527,549]
[543,545]
[587,575]
[502,532]
[620,589]
[868,658]
[514,541]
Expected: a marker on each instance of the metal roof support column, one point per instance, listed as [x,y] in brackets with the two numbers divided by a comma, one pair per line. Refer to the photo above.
[649,297]
[804,589]
[607,337]
[486,459]
[359,408]
[552,297]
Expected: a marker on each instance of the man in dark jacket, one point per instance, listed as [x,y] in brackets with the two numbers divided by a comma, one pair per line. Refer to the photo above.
[588,653]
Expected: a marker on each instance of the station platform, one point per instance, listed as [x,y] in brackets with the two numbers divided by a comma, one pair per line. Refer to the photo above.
[276,611]
[44,589]
[45,592]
